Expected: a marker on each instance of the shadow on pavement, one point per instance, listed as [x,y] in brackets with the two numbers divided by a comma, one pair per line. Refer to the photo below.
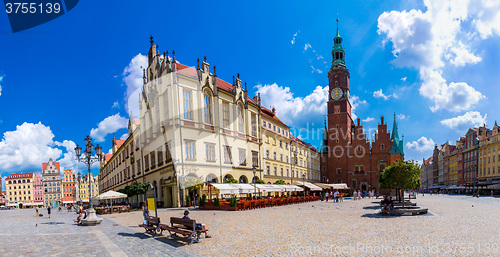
[137,235]
[175,242]
[377,215]
[375,207]
[53,223]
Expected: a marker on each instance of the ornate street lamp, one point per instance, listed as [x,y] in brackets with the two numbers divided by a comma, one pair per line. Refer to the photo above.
[304,182]
[88,159]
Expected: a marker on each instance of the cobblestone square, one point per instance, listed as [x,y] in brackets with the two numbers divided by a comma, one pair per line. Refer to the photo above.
[454,226]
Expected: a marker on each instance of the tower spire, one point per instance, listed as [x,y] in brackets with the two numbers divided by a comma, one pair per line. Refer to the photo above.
[338,52]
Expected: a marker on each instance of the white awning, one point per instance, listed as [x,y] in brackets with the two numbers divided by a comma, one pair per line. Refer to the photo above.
[38,203]
[338,186]
[231,188]
[292,188]
[311,186]
[270,188]
[68,201]
[12,204]
[110,195]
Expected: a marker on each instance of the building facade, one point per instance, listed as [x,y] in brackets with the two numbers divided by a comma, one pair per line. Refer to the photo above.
[489,157]
[196,128]
[51,175]
[84,190]
[20,190]
[347,155]
[68,187]
[38,190]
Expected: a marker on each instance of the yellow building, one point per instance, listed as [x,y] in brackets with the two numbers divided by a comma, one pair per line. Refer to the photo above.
[453,168]
[489,156]
[19,190]
[286,157]
[83,188]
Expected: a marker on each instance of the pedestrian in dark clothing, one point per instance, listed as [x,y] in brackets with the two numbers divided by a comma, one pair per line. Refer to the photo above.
[48,211]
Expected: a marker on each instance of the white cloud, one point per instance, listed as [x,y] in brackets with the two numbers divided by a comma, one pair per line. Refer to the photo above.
[432,40]
[115,105]
[109,125]
[355,103]
[1,78]
[132,77]
[316,70]
[469,119]
[294,110]
[422,144]
[27,147]
[403,78]
[380,94]
[124,136]
[368,119]
[295,36]
[402,116]
[307,46]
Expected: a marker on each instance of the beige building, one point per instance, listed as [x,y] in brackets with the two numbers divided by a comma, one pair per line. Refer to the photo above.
[19,190]
[195,128]
[52,184]
[489,156]
[286,157]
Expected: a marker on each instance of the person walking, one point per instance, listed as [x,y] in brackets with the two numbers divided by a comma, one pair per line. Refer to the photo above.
[36,209]
[326,195]
[359,195]
[145,212]
[48,211]
[341,196]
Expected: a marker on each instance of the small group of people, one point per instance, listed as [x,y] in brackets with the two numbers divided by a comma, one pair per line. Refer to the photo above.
[335,196]
[38,211]
[387,205]
[356,195]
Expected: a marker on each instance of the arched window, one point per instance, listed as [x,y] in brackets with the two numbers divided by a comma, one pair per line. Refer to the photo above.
[382,147]
[208,107]
[382,167]
[243,180]
[241,127]
[227,177]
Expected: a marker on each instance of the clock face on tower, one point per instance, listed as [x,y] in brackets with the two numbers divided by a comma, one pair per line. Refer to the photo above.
[337,93]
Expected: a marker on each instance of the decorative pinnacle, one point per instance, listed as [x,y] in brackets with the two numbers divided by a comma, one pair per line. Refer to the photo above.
[215,73]
[205,58]
[198,63]
[151,39]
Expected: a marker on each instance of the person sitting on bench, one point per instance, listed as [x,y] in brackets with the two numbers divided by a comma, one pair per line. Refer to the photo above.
[198,225]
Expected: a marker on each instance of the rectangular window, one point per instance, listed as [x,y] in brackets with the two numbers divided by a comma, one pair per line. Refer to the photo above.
[241,124]
[208,109]
[267,154]
[160,155]
[190,150]
[268,170]
[168,156]
[165,108]
[255,158]
[153,159]
[243,156]
[281,157]
[225,114]
[210,152]
[188,104]
[227,154]
[254,124]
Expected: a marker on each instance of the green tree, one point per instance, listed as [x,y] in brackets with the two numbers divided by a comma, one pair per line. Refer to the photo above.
[230,180]
[400,175]
[280,182]
[260,181]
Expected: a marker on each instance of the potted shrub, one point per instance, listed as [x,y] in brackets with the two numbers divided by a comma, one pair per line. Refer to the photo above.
[188,201]
[202,201]
[233,204]
[217,203]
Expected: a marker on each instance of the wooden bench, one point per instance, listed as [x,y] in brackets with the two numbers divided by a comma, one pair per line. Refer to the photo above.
[185,227]
[152,224]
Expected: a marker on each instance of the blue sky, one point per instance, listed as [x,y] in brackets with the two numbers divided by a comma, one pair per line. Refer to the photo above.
[434,65]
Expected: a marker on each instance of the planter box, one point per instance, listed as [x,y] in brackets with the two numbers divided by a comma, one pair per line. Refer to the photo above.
[235,208]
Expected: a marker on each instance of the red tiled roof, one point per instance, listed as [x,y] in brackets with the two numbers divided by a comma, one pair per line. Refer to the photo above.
[107,157]
[44,165]
[20,175]
[192,72]
[119,143]
[272,115]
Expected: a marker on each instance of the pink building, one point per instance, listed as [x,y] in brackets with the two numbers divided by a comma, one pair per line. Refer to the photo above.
[38,190]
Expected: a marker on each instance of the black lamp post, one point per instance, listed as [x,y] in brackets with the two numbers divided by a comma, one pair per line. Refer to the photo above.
[304,182]
[254,182]
[88,159]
